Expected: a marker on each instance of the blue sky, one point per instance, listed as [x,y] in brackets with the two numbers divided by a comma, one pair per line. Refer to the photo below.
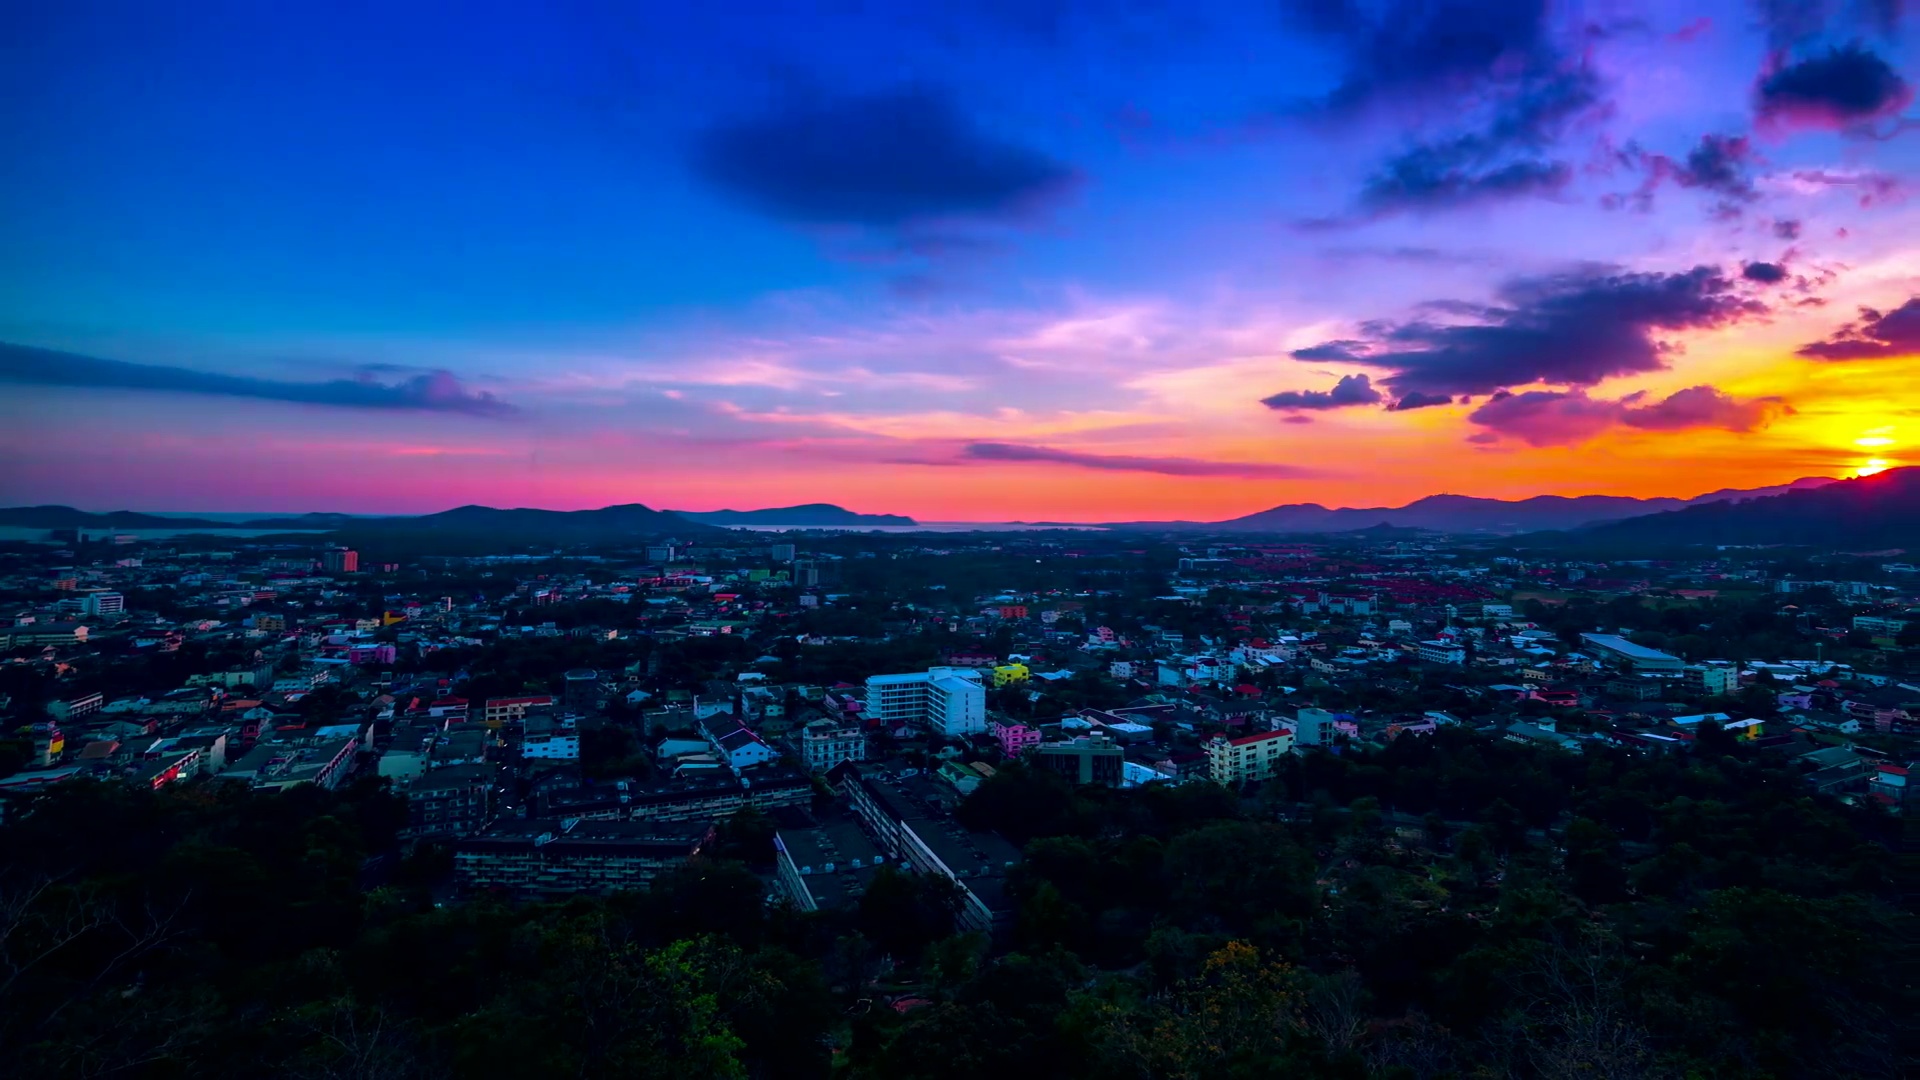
[785,252]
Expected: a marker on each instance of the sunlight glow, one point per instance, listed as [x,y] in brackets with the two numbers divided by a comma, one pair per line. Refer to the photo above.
[1872,466]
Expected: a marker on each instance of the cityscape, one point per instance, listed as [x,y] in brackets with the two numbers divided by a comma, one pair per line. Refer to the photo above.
[1114,540]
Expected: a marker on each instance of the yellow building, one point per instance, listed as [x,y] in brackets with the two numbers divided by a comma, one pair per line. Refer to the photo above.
[1008,674]
[1233,762]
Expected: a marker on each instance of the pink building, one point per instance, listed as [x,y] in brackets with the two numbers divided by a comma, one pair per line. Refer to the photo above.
[1015,739]
[372,654]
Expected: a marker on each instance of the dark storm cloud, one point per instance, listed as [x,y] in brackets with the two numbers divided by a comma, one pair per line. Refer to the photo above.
[1844,87]
[1418,400]
[1412,46]
[430,391]
[1573,329]
[1427,178]
[1345,350]
[1519,88]
[886,160]
[1765,273]
[1166,466]
[1878,335]
[1350,390]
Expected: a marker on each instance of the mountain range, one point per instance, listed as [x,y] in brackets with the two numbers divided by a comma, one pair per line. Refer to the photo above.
[1466,514]
[1863,514]
[807,516]
[1869,512]
[579,526]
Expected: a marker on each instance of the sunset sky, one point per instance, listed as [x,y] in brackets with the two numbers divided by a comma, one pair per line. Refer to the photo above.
[1011,259]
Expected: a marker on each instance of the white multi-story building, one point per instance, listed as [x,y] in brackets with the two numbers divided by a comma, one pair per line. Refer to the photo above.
[1713,678]
[103,603]
[1442,652]
[556,747]
[1233,762]
[825,744]
[948,700]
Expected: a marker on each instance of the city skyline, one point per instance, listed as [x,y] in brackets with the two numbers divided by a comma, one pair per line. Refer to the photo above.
[1064,261]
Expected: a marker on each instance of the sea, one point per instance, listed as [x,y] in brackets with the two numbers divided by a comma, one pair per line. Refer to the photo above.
[925,527]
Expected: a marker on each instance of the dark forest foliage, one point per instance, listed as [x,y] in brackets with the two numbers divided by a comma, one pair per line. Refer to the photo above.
[1453,907]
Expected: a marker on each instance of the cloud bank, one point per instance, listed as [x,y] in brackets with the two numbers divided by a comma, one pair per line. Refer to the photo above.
[431,391]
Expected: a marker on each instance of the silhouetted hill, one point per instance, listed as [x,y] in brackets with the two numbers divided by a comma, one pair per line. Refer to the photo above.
[1465,513]
[66,517]
[808,516]
[609,523]
[1879,511]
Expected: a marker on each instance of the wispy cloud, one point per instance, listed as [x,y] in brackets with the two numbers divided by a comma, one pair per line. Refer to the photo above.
[428,391]
[1165,466]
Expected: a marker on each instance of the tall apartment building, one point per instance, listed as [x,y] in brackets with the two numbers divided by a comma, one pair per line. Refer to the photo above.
[1233,762]
[102,602]
[340,561]
[947,700]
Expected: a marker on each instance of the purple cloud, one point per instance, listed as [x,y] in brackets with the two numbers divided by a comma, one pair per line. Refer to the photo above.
[1876,336]
[1874,187]
[1569,417]
[1573,329]
[429,391]
[1166,466]
[1704,407]
[1340,351]
[1765,273]
[1719,164]
[1845,87]
[1350,390]
[1418,400]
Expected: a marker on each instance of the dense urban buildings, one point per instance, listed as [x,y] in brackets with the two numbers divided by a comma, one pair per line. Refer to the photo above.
[979,768]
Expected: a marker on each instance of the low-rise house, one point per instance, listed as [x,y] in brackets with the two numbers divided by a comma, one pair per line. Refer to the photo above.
[1014,738]
[1087,759]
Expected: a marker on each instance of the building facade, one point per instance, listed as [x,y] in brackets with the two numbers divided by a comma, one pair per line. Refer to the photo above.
[1088,759]
[948,701]
[1251,758]
[540,857]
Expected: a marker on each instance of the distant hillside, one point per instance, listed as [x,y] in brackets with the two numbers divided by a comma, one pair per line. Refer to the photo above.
[66,517]
[1879,511]
[609,523]
[482,524]
[809,516]
[1466,514]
